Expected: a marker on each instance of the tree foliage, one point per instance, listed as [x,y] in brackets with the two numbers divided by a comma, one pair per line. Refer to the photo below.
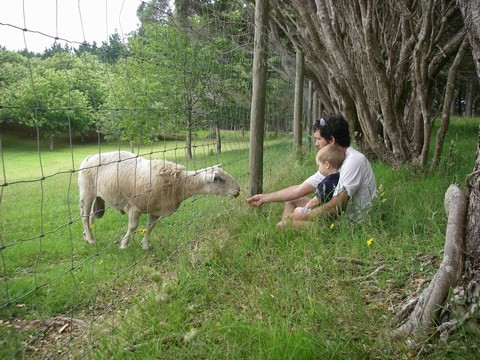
[48,95]
[181,76]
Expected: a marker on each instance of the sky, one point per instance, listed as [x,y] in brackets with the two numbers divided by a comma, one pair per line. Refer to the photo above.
[64,19]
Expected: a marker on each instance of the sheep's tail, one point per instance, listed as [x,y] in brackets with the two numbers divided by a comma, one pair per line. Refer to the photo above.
[99,207]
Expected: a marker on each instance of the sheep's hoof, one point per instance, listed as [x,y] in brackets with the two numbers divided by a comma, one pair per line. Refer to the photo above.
[122,246]
[147,247]
[90,241]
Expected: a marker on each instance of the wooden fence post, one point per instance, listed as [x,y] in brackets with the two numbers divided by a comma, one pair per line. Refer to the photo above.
[257,112]
[298,105]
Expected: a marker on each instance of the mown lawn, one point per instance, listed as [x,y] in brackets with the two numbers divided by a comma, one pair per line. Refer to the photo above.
[222,281]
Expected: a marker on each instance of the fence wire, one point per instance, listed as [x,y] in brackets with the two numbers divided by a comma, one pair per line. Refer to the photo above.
[170,91]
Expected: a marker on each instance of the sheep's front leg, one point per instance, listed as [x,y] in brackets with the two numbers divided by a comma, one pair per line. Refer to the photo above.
[152,221]
[133,216]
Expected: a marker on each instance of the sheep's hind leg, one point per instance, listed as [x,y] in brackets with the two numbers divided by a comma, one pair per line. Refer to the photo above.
[86,204]
[133,217]
[152,221]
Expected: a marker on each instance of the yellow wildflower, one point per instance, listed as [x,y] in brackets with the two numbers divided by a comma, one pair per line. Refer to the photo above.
[143,231]
[370,242]
[332,225]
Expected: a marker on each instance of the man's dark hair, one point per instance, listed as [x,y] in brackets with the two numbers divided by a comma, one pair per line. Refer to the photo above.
[334,126]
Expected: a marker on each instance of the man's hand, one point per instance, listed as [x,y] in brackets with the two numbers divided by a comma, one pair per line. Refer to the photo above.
[256,200]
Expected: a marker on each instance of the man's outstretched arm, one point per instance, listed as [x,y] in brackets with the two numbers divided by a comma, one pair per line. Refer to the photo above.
[290,193]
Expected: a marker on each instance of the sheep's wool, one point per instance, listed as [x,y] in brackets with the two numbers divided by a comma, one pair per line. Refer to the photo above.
[136,186]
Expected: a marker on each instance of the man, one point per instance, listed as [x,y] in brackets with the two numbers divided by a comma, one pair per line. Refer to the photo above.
[354,193]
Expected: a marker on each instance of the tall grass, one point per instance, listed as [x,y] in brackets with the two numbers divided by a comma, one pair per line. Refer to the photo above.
[222,280]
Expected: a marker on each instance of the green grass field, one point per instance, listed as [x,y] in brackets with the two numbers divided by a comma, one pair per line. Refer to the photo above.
[222,281]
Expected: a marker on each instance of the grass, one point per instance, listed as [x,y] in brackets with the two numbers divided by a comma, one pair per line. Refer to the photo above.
[222,280]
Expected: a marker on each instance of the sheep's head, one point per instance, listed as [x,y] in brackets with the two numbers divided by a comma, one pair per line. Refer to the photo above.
[219,182]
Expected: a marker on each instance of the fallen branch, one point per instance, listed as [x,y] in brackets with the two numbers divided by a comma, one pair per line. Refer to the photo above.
[427,308]
[350,260]
[373,273]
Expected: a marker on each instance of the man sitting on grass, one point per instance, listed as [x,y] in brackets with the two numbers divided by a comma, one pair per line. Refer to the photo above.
[355,191]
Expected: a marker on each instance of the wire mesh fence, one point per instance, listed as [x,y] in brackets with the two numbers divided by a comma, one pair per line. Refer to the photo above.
[175,89]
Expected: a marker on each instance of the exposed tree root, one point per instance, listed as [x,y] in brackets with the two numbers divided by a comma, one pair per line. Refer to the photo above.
[463,309]
[427,308]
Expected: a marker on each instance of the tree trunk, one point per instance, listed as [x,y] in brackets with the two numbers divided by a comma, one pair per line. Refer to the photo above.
[447,101]
[462,310]
[310,117]
[469,98]
[421,57]
[471,17]
[472,240]
[188,141]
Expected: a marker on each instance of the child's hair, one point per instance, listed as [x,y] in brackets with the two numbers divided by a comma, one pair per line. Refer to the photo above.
[331,153]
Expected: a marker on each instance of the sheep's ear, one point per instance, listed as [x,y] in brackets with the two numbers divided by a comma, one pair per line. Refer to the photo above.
[210,177]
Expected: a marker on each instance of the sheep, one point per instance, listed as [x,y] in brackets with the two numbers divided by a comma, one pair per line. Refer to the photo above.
[136,186]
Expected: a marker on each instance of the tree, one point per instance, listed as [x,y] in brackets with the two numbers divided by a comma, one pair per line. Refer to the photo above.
[112,50]
[176,81]
[88,76]
[87,48]
[46,101]
[55,49]
[157,11]
[13,68]
[381,77]
[433,309]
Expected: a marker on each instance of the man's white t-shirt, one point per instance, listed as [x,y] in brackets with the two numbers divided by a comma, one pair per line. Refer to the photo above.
[357,179]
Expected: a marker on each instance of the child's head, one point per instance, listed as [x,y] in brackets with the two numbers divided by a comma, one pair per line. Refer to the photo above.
[329,159]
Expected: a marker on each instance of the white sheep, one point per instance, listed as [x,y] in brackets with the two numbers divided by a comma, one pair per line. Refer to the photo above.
[136,186]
